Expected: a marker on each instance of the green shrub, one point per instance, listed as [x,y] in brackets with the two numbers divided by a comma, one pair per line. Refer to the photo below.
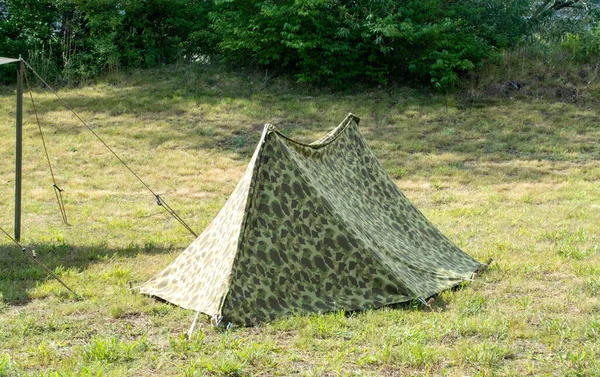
[584,46]
[334,42]
[76,40]
[325,42]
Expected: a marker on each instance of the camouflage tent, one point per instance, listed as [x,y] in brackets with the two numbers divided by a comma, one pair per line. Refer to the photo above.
[312,227]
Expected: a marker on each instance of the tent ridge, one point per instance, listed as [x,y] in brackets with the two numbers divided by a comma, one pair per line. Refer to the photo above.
[325,141]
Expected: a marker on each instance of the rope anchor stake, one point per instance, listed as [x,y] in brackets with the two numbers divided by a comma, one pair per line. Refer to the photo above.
[33,256]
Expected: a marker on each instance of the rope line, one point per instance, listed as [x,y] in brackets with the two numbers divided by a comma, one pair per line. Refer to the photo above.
[33,257]
[160,201]
[57,190]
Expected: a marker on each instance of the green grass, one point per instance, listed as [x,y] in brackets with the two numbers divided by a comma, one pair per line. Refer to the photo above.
[514,179]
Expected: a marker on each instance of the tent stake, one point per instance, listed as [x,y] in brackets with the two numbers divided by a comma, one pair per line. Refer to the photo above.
[32,255]
[191,331]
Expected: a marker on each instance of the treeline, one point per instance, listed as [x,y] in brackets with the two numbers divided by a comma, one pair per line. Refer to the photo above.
[328,42]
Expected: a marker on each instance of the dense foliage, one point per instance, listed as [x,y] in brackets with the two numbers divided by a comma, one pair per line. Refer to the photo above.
[334,41]
[78,39]
[330,42]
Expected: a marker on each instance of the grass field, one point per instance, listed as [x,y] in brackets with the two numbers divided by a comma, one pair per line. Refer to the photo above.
[514,178]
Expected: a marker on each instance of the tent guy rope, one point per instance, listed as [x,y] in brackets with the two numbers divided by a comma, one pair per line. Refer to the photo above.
[159,200]
[33,257]
[57,190]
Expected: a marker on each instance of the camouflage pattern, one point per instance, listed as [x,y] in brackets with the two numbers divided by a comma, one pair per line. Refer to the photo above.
[312,228]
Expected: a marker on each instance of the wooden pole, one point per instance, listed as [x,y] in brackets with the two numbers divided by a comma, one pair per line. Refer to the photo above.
[19,151]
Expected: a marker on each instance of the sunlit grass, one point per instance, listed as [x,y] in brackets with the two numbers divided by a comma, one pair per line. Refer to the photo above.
[512,179]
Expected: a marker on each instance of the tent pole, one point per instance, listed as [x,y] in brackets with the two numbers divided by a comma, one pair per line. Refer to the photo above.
[19,151]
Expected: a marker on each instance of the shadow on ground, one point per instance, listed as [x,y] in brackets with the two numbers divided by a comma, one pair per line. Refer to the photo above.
[19,274]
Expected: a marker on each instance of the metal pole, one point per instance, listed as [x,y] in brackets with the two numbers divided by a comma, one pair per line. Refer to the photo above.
[19,151]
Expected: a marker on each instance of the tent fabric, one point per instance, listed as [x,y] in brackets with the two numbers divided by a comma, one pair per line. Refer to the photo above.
[312,228]
[7,60]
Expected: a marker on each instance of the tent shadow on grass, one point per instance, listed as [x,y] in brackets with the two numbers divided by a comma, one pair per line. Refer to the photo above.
[19,274]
